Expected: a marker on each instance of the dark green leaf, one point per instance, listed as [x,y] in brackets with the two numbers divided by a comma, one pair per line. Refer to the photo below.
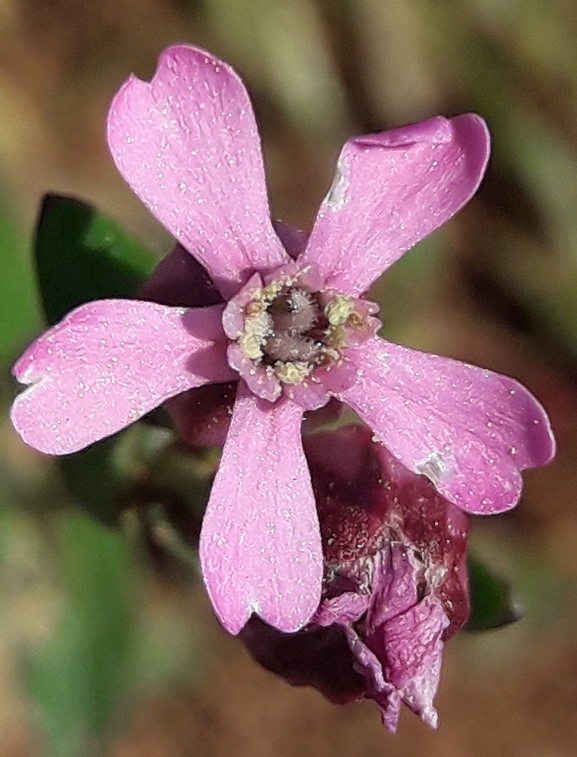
[19,312]
[81,255]
[93,481]
[492,604]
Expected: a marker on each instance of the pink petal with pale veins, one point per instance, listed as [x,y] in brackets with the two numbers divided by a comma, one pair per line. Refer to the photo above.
[260,546]
[107,364]
[188,145]
[406,634]
[469,430]
[411,646]
[391,190]
[344,609]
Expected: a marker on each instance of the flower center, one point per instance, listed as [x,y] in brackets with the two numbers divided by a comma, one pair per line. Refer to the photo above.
[288,329]
[290,335]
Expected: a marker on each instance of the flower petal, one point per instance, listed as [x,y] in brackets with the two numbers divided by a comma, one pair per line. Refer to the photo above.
[411,646]
[318,657]
[260,546]
[294,240]
[107,364]
[399,650]
[391,190]
[370,665]
[469,430]
[201,416]
[344,609]
[179,280]
[188,145]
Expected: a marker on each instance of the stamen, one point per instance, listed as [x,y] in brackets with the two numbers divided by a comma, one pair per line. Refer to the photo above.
[339,309]
[356,321]
[287,330]
[257,328]
[337,337]
[292,373]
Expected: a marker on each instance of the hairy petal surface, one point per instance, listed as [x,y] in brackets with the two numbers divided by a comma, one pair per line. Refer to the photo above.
[401,659]
[469,430]
[391,190]
[107,364]
[260,546]
[188,145]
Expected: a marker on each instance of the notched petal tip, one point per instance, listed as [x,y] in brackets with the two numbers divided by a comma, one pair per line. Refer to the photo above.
[23,369]
[477,430]
[175,55]
[234,616]
[18,419]
[260,546]
[436,130]
[469,127]
[107,364]
[187,144]
[471,133]
[390,191]
[116,109]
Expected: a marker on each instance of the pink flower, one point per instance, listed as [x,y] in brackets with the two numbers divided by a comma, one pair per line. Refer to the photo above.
[395,582]
[289,321]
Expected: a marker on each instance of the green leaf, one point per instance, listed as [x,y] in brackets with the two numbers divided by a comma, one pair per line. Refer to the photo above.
[492,603]
[81,255]
[19,312]
[78,678]
[92,479]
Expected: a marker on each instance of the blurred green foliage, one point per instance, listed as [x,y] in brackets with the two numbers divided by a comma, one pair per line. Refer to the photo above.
[19,310]
[492,604]
[78,677]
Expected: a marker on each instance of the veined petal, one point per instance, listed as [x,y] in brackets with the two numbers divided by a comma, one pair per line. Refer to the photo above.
[107,364]
[403,631]
[391,190]
[469,430]
[260,546]
[411,646]
[188,145]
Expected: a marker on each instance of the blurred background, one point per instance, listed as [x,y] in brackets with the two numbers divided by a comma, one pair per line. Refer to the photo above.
[107,643]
